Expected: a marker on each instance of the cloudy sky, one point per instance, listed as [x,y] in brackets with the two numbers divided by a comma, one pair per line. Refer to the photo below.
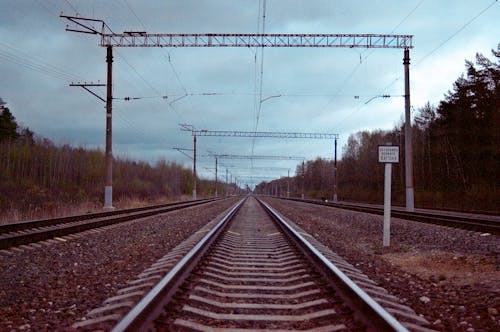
[239,89]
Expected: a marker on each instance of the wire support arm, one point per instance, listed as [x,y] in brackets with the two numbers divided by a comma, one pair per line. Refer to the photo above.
[86,85]
[85,25]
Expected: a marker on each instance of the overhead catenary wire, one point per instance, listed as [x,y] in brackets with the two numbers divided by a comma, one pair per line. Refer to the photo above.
[445,41]
[371,51]
[71,5]
[158,93]
[427,55]
[14,55]
[261,77]
[453,35]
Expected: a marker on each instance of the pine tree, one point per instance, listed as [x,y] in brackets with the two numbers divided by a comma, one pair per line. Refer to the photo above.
[8,124]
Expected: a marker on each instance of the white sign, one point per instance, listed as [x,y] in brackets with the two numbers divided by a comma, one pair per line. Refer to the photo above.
[388,154]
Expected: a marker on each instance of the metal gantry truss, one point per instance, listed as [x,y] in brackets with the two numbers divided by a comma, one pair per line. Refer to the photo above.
[227,133]
[143,39]
[255,157]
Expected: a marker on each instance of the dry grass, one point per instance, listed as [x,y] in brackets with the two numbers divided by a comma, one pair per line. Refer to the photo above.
[443,265]
[30,213]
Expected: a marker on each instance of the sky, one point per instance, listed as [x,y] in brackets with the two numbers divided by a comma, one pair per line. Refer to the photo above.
[294,90]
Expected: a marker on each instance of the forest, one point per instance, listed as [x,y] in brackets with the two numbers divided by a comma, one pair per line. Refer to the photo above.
[456,152]
[456,155]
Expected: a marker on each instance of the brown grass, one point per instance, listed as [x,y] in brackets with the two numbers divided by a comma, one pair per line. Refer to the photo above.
[14,215]
[441,265]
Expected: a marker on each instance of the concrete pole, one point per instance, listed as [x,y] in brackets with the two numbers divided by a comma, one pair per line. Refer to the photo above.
[194,166]
[303,179]
[410,199]
[226,185]
[108,187]
[215,177]
[288,185]
[335,174]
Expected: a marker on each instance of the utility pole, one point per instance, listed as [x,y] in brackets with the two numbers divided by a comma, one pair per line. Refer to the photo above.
[194,167]
[227,191]
[335,174]
[88,26]
[216,177]
[410,199]
[288,185]
[188,127]
[108,188]
[303,179]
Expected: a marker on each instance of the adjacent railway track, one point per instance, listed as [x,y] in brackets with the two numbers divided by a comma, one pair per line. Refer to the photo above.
[24,233]
[255,271]
[478,223]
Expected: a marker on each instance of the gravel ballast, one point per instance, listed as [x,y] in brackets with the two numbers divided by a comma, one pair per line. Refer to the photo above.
[449,276]
[48,288]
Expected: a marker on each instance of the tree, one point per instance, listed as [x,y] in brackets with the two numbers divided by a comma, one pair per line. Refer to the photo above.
[8,124]
[467,126]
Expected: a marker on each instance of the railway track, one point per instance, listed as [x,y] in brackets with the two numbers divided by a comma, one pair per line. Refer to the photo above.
[253,270]
[25,233]
[477,223]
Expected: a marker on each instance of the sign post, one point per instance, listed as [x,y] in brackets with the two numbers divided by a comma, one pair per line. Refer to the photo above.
[387,154]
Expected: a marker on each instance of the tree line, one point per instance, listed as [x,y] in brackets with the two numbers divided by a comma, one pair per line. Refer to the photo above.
[39,175]
[456,152]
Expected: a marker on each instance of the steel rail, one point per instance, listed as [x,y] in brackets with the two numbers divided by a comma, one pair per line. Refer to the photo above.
[455,221]
[382,319]
[20,226]
[141,317]
[33,235]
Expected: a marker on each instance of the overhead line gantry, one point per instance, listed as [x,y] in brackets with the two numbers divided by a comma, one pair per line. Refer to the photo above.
[226,133]
[231,133]
[109,39]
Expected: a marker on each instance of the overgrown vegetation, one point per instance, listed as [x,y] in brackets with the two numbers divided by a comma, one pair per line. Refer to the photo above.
[456,151]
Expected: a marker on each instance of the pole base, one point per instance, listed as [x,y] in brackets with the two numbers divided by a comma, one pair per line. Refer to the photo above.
[410,200]
[108,198]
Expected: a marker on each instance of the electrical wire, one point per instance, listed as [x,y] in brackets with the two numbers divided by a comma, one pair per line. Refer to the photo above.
[72,7]
[133,12]
[371,51]
[42,3]
[453,35]
[261,80]
[16,56]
